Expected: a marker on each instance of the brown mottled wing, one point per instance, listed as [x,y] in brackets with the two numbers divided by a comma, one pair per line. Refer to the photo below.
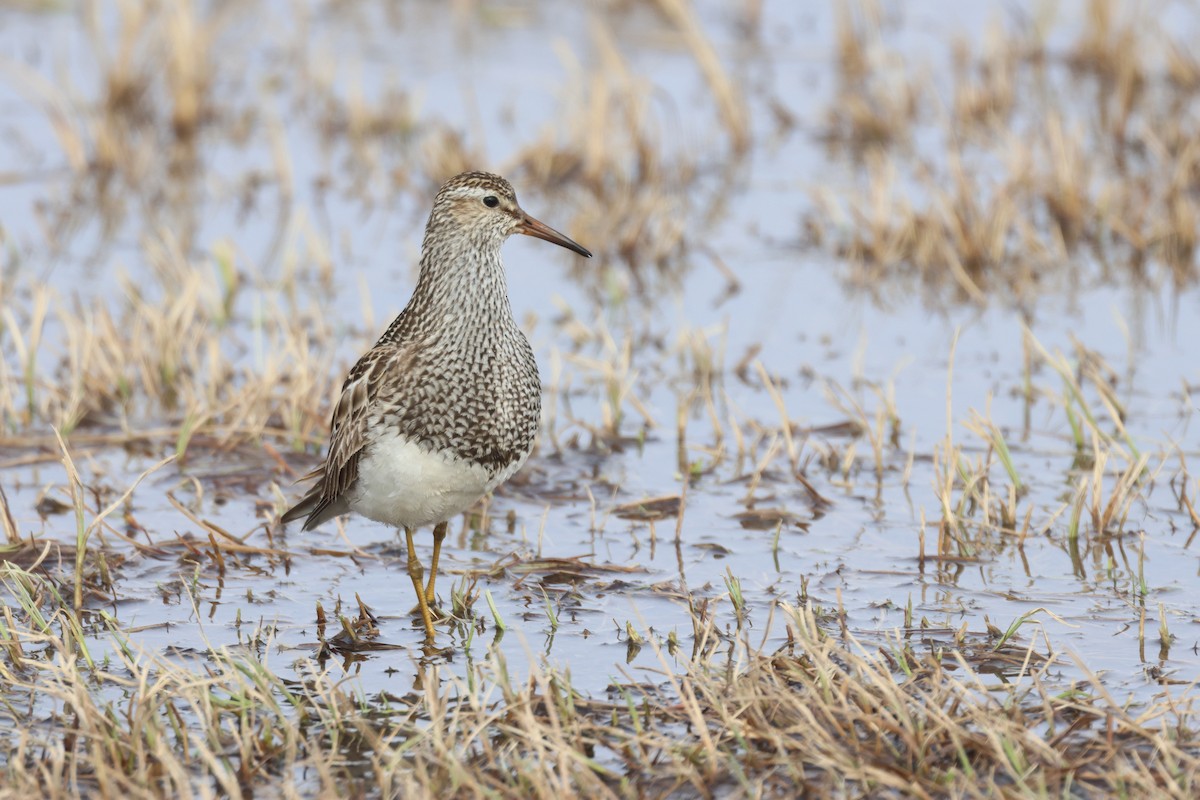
[348,433]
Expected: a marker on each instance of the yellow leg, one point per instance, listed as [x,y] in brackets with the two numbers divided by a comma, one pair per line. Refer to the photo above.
[439,533]
[417,573]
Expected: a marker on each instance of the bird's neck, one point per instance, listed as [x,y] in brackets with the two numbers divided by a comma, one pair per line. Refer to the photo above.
[454,282]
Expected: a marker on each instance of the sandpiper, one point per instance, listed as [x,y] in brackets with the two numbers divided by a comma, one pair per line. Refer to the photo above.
[446,405]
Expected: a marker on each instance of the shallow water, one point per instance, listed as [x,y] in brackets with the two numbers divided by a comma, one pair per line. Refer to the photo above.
[860,553]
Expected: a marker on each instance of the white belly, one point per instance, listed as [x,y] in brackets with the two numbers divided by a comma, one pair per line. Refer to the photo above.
[402,485]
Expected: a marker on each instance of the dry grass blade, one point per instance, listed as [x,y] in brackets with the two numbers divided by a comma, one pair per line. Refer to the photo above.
[729,100]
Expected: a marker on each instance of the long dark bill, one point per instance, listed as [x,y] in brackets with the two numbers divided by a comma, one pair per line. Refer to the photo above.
[531,227]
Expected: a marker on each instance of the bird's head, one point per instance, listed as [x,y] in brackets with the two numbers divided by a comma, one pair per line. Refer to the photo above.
[485,207]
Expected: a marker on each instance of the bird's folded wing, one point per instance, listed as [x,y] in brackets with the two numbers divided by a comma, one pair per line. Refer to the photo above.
[354,413]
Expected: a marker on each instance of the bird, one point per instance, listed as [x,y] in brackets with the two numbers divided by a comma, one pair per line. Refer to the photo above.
[446,405]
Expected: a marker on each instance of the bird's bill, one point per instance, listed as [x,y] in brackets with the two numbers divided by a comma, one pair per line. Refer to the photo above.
[531,227]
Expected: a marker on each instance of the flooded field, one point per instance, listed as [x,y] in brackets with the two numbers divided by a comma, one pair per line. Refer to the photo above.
[867,434]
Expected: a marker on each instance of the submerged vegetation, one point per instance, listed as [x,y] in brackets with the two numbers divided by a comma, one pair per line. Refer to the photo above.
[694,589]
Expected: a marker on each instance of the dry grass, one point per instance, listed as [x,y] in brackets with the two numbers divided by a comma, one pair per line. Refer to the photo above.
[825,714]
[162,361]
[1020,196]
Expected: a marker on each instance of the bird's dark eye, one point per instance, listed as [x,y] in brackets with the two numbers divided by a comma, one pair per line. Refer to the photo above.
[491,201]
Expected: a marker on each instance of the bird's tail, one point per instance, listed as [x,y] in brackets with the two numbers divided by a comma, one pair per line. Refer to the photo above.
[301,509]
[311,507]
